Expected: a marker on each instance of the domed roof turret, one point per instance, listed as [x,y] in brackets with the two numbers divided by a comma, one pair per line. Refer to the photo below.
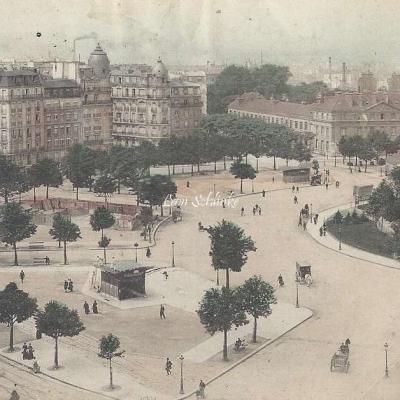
[99,62]
[160,70]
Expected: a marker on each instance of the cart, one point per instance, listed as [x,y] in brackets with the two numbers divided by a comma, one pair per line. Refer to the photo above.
[340,360]
[303,273]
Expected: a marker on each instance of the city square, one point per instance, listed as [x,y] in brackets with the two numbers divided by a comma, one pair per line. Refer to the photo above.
[199,200]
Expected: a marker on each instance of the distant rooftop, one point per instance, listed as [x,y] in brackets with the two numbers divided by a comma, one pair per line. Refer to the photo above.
[122,266]
[59,83]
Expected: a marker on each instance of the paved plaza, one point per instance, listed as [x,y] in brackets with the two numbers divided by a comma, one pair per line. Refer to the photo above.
[354,295]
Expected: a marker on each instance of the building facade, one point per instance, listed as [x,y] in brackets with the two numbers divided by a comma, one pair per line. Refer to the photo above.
[148,106]
[22,123]
[62,104]
[325,122]
[96,100]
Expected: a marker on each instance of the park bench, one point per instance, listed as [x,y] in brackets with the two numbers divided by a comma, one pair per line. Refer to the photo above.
[36,245]
[39,261]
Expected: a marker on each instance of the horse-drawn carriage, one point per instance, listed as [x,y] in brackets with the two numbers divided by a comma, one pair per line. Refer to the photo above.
[303,273]
[340,360]
[316,179]
[177,214]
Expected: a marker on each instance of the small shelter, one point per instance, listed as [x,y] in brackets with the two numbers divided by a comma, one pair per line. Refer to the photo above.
[123,279]
[292,175]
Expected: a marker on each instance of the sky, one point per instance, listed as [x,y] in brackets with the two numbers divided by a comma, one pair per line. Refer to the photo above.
[194,31]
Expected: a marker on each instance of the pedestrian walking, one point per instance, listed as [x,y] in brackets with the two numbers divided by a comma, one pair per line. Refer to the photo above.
[162,311]
[148,252]
[254,211]
[14,394]
[165,273]
[295,200]
[70,285]
[324,228]
[280,280]
[321,231]
[86,307]
[47,260]
[351,170]
[242,211]
[337,184]
[223,203]
[326,185]
[202,387]
[315,219]
[297,189]
[25,351]
[168,366]
[30,352]
[293,189]
[273,179]
[304,225]
[263,192]
[65,286]
[259,210]
[22,276]
[187,184]
[94,308]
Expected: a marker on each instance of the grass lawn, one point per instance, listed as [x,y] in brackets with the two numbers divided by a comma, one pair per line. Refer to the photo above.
[365,236]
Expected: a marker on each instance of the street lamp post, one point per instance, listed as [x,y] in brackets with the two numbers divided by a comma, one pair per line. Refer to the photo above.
[297,294]
[386,360]
[252,186]
[311,211]
[340,236]
[181,391]
[136,247]
[173,254]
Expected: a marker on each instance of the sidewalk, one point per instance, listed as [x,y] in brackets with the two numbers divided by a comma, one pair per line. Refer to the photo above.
[332,243]
[283,318]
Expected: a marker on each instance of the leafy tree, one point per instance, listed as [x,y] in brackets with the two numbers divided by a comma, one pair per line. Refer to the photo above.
[315,165]
[15,306]
[47,173]
[242,171]
[380,142]
[338,217]
[109,349]
[105,185]
[64,231]
[80,166]
[229,247]
[12,179]
[381,202]
[155,189]
[306,92]
[365,152]
[15,225]
[256,297]
[220,310]
[57,320]
[102,219]
[271,80]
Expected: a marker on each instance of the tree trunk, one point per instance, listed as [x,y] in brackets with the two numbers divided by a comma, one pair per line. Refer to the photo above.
[191,172]
[365,167]
[224,163]
[246,159]
[274,163]
[15,253]
[77,192]
[11,337]
[255,330]
[119,187]
[56,353]
[241,185]
[111,376]
[65,253]
[227,278]
[162,210]
[34,194]
[215,166]
[198,167]
[59,244]
[257,165]
[47,192]
[173,169]
[105,255]
[225,350]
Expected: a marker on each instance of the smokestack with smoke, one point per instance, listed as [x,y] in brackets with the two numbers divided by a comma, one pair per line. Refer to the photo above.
[92,35]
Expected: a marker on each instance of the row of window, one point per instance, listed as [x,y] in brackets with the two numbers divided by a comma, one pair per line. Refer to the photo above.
[59,117]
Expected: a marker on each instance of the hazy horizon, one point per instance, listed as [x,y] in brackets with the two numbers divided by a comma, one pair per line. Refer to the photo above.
[194,31]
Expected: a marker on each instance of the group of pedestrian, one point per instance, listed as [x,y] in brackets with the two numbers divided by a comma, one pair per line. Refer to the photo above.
[27,352]
[86,307]
[256,210]
[295,189]
[68,285]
